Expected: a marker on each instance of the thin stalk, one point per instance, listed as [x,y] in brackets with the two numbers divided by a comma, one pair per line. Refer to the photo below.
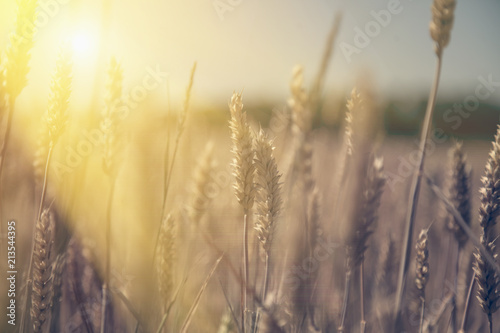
[455,284]
[12,103]
[30,267]
[422,315]
[346,300]
[461,222]
[362,292]
[166,159]
[467,302]
[266,279]
[264,291]
[245,269]
[415,190]
[3,149]
[105,286]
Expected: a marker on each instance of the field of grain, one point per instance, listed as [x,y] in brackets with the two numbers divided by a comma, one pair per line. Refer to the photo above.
[322,212]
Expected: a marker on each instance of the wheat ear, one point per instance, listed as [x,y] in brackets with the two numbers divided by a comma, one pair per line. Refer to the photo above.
[442,16]
[201,195]
[166,264]
[459,191]
[244,171]
[17,59]
[42,290]
[422,271]
[487,279]
[3,92]
[109,126]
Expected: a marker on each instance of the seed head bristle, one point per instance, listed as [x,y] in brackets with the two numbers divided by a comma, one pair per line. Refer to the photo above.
[486,277]
[367,216]
[202,194]
[109,124]
[243,152]
[459,191]
[166,260]
[60,91]
[268,185]
[18,53]
[42,287]
[442,23]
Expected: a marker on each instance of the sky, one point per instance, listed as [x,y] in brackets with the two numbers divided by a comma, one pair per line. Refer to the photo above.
[254,45]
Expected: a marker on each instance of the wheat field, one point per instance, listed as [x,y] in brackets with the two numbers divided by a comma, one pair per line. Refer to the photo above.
[318,213]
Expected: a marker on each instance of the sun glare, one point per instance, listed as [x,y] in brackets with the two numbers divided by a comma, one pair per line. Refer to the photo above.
[84,43]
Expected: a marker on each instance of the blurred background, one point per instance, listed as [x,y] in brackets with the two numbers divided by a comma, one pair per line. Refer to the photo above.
[253,45]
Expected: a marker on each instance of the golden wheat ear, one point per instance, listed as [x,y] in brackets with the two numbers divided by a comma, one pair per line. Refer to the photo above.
[442,23]
[458,191]
[166,261]
[487,279]
[201,194]
[42,287]
[110,121]
[18,52]
[60,92]
[243,152]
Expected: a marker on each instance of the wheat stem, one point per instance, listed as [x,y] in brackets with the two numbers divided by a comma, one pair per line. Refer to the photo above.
[105,286]
[414,193]
[245,269]
[347,288]
[362,295]
[467,302]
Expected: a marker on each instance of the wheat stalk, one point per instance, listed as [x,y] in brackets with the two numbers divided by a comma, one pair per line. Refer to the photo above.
[458,190]
[17,59]
[268,200]
[362,228]
[442,16]
[15,68]
[110,120]
[244,171]
[487,279]
[55,120]
[42,288]
[109,127]
[3,92]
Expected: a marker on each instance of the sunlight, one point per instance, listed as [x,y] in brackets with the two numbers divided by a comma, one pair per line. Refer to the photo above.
[85,43]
